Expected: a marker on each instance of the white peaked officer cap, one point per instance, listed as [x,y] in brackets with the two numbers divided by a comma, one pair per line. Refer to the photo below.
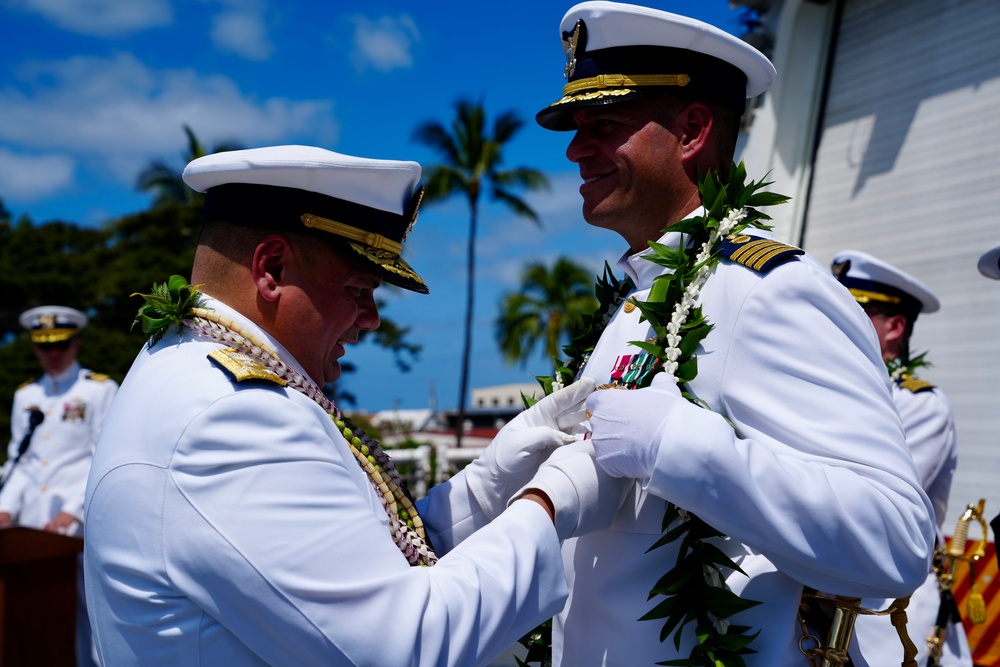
[617,52]
[989,263]
[52,324]
[873,281]
[365,207]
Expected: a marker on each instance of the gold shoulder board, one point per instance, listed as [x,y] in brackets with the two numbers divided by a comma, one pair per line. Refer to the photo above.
[915,385]
[759,254]
[26,383]
[99,377]
[244,367]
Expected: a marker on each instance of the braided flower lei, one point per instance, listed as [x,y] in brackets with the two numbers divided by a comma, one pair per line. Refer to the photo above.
[694,588]
[176,304]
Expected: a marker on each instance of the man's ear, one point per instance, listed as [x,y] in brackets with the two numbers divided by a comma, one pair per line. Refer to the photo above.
[268,268]
[694,126]
[895,328]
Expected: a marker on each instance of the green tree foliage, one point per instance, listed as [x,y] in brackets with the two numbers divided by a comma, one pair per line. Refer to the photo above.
[96,270]
[473,157]
[165,181]
[92,270]
[545,311]
[392,337]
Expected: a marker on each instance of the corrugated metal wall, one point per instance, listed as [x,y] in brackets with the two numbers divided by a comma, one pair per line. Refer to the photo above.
[908,169]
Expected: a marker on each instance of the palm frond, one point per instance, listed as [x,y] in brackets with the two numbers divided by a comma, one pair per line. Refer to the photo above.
[515,204]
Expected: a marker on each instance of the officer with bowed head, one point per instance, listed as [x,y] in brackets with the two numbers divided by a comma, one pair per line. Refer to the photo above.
[893,300]
[235,516]
[989,266]
[793,450]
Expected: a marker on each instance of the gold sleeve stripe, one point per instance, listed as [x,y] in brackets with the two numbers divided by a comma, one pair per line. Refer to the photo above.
[244,367]
[915,385]
[376,241]
[758,253]
[625,81]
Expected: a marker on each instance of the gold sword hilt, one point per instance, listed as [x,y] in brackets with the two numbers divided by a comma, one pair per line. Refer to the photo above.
[959,541]
[833,652]
[955,553]
[976,606]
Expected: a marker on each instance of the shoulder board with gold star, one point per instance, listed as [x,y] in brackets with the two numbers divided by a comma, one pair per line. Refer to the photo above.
[915,385]
[244,367]
[99,377]
[757,253]
[26,383]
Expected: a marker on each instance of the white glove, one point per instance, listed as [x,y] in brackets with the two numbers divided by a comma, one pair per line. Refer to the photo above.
[585,498]
[521,446]
[626,426]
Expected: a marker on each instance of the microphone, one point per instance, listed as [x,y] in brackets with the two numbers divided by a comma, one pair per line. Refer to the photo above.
[34,419]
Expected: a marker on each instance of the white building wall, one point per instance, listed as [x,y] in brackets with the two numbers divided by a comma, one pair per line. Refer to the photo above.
[782,127]
[907,167]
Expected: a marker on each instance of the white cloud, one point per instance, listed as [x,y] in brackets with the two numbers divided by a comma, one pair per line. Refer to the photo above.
[31,177]
[101,18]
[116,113]
[384,44]
[241,29]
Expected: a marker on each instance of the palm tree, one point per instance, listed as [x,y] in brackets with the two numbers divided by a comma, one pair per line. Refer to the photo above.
[163,179]
[472,162]
[547,309]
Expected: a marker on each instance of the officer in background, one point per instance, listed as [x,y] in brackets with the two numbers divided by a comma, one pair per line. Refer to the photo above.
[236,517]
[893,299]
[794,450]
[55,423]
[989,266]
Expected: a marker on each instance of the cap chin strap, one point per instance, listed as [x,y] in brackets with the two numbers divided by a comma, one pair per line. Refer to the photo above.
[626,81]
[371,239]
[867,296]
[52,335]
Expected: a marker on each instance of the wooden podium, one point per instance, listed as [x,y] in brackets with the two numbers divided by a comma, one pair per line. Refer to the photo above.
[38,573]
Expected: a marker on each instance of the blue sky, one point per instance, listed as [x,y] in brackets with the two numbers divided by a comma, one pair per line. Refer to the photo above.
[92,90]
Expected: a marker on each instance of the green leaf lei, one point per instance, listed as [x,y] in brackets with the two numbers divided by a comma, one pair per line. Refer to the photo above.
[166,307]
[904,366]
[694,588]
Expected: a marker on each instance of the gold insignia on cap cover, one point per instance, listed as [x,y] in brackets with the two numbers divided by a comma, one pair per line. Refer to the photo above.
[840,268]
[570,45]
[418,196]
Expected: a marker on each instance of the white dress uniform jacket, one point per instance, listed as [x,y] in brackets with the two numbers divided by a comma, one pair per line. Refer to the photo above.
[230,524]
[52,474]
[930,433]
[812,479]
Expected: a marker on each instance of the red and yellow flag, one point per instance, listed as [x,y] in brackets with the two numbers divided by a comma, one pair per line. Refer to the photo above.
[984,639]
